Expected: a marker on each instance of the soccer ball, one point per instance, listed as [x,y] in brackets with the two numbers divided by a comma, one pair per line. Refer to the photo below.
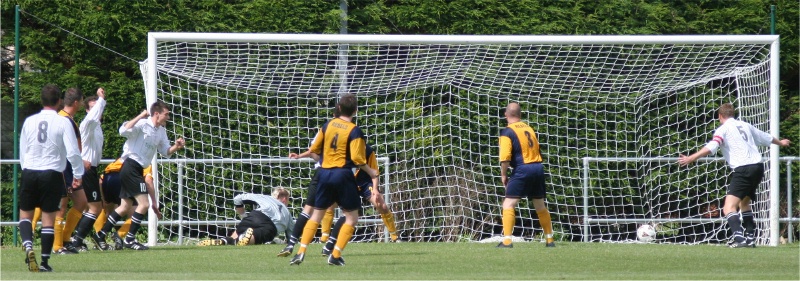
[646,233]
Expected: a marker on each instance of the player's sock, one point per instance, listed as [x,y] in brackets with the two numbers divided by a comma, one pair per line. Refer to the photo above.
[85,225]
[735,226]
[341,240]
[136,221]
[509,218]
[388,221]
[748,223]
[48,237]
[335,234]
[26,233]
[124,228]
[73,217]
[327,222]
[547,225]
[58,229]
[229,241]
[299,225]
[37,215]
[100,221]
[307,236]
[111,220]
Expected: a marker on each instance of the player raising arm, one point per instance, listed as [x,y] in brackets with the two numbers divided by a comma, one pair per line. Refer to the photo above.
[92,136]
[145,137]
[738,141]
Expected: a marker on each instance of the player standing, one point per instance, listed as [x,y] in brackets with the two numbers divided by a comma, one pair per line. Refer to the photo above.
[367,189]
[738,141]
[145,137]
[46,142]
[308,205]
[519,149]
[73,99]
[342,147]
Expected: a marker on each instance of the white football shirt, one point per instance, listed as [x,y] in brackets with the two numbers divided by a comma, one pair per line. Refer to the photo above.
[739,142]
[271,207]
[92,133]
[143,141]
[47,141]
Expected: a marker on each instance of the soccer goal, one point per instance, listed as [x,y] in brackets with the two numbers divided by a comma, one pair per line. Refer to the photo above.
[610,112]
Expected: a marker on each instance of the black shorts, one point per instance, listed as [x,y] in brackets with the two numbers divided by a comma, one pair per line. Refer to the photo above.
[132,179]
[745,180]
[264,229]
[41,189]
[91,185]
[312,188]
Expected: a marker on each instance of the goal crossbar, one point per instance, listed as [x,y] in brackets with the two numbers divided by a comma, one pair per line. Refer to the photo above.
[461,39]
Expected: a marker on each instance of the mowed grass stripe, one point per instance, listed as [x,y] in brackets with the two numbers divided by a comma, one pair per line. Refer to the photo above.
[380,261]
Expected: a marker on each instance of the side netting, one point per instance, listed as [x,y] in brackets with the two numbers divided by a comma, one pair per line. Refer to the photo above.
[433,106]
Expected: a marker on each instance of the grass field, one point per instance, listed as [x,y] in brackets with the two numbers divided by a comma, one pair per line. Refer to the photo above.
[425,261]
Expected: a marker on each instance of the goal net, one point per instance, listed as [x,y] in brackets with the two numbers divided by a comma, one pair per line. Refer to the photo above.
[611,113]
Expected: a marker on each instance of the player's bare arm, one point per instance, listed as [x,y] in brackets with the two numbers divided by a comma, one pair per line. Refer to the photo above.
[179,144]
[783,142]
[684,160]
[304,154]
[504,172]
[371,172]
[148,180]
[135,120]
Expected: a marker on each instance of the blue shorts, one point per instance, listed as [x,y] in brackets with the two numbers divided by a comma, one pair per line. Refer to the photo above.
[364,183]
[526,181]
[111,186]
[337,185]
[68,177]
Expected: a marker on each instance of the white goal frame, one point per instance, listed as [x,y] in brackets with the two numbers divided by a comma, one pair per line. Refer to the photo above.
[150,68]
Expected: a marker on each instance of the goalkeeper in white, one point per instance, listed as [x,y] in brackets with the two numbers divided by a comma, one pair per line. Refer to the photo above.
[738,141]
[261,225]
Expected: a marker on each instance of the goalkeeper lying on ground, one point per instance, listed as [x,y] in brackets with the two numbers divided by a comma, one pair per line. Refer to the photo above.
[261,225]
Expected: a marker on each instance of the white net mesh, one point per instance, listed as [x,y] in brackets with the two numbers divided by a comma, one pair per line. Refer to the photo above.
[435,111]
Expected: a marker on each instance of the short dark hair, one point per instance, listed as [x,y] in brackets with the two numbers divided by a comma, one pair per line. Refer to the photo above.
[158,106]
[726,110]
[347,105]
[51,94]
[86,101]
[72,95]
[514,109]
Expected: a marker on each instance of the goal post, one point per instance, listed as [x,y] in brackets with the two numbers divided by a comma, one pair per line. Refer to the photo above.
[432,103]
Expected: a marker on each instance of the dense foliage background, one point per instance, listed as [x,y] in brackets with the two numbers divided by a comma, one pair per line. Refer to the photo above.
[55,56]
